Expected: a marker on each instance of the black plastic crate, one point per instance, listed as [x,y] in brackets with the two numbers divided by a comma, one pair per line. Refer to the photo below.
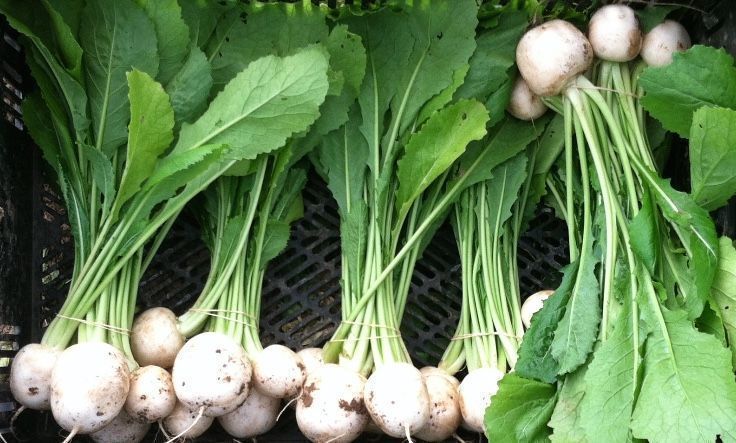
[301,295]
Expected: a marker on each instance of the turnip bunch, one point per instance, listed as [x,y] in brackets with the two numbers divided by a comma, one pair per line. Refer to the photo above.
[623,349]
[104,117]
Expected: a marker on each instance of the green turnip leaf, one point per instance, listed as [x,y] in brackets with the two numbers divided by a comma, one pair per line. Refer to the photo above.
[712,156]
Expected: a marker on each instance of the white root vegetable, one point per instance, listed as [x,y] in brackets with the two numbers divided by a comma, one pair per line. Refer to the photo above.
[212,371]
[30,375]
[151,396]
[614,33]
[476,391]
[444,408]
[278,371]
[552,55]
[533,304]
[331,406]
[434,370]
[312,359]
[155,338]
[397,399]
[256,416]
[524,104]
[663,41]
[124,429]
[89,385]
[186,423]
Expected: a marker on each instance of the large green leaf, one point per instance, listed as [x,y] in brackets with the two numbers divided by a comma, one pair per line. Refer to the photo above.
[700,76]
[688,392]
[116,37]
[270,29]
[712,156]
[150,132]
[262,106]
[520,411]
[566,420]
[172,35]
[436,146]
[724,291]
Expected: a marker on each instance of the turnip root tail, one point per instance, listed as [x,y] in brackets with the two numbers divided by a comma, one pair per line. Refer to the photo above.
[71,435]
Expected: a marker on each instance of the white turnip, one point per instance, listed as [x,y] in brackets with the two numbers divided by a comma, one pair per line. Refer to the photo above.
[89,385]
[476,391]
[256,416]
[663,41]
[524,104]
[155,338]
[397,399]
[533,304]
[312,359]
[30,375]
[331,406]
[278,371]
[211,371]
[614,33]
[186,423]
[444,408]
[151,396]
[123,429]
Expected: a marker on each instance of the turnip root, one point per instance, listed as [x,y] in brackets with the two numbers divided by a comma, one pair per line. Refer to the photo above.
[151,396]
[186,423]
[278,371]
[397,399]
[444,408]
[331,407]
[30,375]
[476,391]
[524,104]
[552,55]
[663,41]
[312,359]
[124,429]
[155,338]
[212,371]
[256,416]
[533,304]
[434,370]
[614,33]
[89,385]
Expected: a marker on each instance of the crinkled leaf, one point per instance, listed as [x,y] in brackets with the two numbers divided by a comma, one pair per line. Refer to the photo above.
[612,379]
[566,420]
[277,236]
[116,37]
[577,331]
[172,35]
[150,132]
[436,146]
[535,360]
[190,87]
[724,291]
[443,98]
[712,156]
[520,410]
[700,76]
[688,392]
[262,106]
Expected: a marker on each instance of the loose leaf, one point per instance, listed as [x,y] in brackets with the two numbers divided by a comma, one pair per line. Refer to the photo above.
[437,144]
[535,360]
[700,76]
[262,106]
[712,156]
[150,132]
[688,392]
[520,410]
[724,291]
[116,37]
[577,331]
